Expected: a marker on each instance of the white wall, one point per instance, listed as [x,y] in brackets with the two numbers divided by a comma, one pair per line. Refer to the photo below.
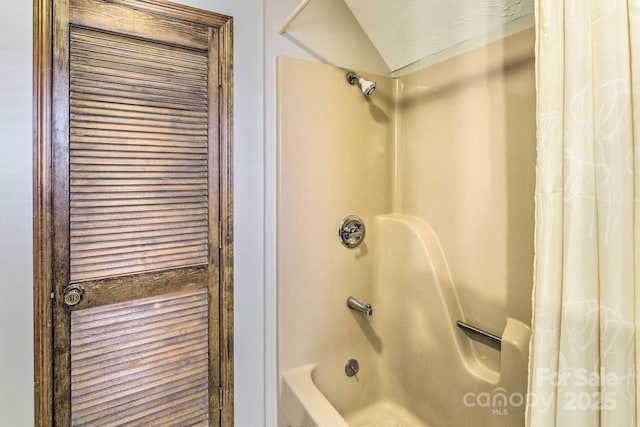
[16,325]
[249,205]
[16,330]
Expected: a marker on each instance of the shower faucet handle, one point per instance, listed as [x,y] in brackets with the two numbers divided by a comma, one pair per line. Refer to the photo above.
[351,231]
[354,231]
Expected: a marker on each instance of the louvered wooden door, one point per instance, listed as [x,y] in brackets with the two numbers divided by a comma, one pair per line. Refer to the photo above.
[137,215]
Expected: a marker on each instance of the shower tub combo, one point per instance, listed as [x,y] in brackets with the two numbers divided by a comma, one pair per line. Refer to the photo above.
[373,334]
[420,369]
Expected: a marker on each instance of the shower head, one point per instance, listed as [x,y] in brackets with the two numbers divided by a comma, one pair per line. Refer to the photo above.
[366,86]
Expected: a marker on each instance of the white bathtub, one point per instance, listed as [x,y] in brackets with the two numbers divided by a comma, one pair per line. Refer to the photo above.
[419,369]
[304,405]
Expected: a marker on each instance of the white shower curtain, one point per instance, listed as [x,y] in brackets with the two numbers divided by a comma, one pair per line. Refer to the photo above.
[585,354]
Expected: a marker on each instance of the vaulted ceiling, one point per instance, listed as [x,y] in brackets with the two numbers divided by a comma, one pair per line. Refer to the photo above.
[407,31]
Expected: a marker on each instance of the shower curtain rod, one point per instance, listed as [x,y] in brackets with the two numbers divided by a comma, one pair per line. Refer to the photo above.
[294,14]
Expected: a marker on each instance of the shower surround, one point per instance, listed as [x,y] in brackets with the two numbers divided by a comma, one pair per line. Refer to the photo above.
[440,164]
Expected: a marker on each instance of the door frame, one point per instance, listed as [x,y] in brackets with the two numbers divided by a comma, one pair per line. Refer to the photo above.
[43,193]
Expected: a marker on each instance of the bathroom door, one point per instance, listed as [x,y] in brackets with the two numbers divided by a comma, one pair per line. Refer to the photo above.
[140,238]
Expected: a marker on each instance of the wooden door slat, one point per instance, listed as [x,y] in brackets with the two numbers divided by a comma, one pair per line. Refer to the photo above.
[137,373]
[139,88]
[149,382]
[136,144]
[86,90]
[156,409]
[112,109]
[120,134]
[133,174]
[136,203]
[157,387]
[121,332]
[122,245]
[112,41]
[80,218]
[111,237]
[143,154]
[111,148]
[115,187]
[141,320]
[112,357]
[86,400]
[104,352]
[117,168]
[144,254]
[142,406]
[81,116]
[196,255]
[136,181]
[99,61]
[185,417]
[137,23]
[165,131]
[101,96]
[149,266]
[106,407]
[183,82]
[143,250]
[138,194]
[136,307]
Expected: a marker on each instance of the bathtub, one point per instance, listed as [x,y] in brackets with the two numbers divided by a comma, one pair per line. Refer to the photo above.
[418,368]
[304,405]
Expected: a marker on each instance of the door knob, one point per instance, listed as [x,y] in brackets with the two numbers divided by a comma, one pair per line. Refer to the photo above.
[73,294]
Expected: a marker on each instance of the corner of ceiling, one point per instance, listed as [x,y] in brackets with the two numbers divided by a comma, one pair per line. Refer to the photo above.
[327,31]
[410,34]
[393,39]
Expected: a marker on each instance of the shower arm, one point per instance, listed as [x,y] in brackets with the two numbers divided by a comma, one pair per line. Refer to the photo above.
[294,14]
[352,78]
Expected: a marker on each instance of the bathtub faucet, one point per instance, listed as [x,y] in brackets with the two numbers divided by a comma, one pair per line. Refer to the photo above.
[357,305]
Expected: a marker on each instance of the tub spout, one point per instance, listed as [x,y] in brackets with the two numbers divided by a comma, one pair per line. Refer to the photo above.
[361,306]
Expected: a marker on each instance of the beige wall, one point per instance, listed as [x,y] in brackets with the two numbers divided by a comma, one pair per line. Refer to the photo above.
[452,144]
[324,32]
[334,160]
[466,165]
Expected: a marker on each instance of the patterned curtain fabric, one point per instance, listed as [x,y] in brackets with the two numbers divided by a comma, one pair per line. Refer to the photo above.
[585,353]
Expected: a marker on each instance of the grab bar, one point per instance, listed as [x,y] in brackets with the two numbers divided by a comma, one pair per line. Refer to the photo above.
[488,335]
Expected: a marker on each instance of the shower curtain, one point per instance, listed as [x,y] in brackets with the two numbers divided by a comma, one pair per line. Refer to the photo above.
[585,354]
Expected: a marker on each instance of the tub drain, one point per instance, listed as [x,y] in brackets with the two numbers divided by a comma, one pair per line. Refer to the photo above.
[351,368]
